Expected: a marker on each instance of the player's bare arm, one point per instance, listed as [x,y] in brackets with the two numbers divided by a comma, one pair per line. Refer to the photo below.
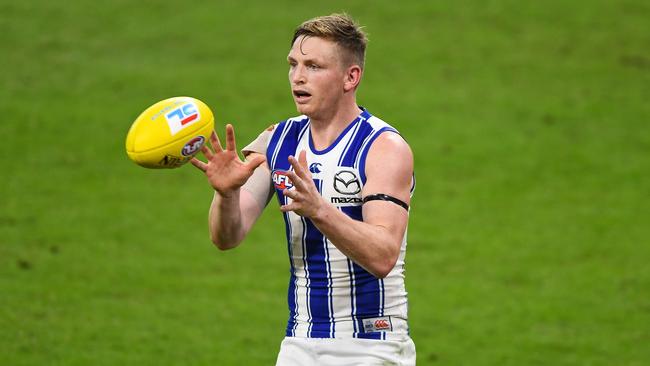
[233,210]
[373,243]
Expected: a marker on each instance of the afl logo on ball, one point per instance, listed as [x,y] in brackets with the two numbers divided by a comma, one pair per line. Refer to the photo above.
[192,146]
[346,182]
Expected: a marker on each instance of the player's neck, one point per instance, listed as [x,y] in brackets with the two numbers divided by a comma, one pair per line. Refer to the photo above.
[325,130]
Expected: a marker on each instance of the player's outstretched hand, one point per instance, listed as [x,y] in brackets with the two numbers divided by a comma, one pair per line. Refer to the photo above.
[306,199]
[226,172]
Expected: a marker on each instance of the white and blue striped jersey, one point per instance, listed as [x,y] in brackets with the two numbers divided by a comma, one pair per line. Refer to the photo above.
[329,295]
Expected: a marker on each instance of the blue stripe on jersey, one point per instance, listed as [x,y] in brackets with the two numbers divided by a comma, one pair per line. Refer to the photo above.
[330,289]
[383,298]
[318,285]
[346,149]
[307,271]
[382,304]
[276,138]
[330,304]
[282,144]
[291,291]
[364,154]
[353,313]
[350,153]
[319,275]
[368,300]
[284,141]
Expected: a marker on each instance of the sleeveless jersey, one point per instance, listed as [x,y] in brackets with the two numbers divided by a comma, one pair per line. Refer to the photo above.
[329,295]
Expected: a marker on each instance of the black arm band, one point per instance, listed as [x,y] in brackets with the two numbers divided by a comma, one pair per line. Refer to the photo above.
[385,197]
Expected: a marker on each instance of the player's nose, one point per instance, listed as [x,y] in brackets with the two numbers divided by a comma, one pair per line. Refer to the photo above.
[297,75]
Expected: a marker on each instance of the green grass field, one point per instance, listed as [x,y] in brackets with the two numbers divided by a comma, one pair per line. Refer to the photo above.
[529,241]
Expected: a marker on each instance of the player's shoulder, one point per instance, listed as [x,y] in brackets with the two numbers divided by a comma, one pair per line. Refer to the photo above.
[288,121]
[378,123]
[297,122]
[302,119]
[388,137]
[390,158]
[391,145]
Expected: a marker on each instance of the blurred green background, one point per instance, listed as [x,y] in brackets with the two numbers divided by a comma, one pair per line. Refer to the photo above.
[529,241]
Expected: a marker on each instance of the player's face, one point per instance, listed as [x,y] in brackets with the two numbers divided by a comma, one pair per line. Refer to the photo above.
[316,75]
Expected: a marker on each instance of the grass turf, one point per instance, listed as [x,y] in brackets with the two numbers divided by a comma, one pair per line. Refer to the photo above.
[528,242]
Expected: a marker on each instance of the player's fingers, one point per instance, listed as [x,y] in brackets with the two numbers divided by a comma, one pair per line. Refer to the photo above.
[207,152]
[256,161]
[230,138]
[214,141]
[296,181]
[302,159]
[291,193]
[289,207]
[300,171]
[199,164]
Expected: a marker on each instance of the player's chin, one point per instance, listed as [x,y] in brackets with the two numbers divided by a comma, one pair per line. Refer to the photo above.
[303,108]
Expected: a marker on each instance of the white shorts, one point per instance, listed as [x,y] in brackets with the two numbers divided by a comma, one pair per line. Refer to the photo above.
[296,351]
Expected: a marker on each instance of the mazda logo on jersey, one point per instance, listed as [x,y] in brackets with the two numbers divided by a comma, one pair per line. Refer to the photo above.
[346,182]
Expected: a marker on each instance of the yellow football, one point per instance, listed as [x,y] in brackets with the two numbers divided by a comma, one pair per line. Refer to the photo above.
[169,133]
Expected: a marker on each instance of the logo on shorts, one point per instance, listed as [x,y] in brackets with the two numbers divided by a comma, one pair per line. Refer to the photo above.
[377,324]
[193,146]
[346,182]
[382,324]
[281,180]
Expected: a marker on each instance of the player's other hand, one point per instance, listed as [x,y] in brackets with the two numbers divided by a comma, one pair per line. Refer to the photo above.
[225,171]
[306,201]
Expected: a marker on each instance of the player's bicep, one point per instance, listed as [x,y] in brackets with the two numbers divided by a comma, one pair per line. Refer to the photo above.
[389,172]
[389,168]
[258,186]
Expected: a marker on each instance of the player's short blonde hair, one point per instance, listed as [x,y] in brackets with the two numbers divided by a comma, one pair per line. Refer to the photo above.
[340,29]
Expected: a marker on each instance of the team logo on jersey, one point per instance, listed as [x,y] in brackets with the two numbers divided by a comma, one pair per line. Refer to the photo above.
[315,168]
[193,146]
[182,117]
[281,180]
[346,182]
[377,324]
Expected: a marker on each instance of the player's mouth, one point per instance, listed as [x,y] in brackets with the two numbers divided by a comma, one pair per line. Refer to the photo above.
[301,96]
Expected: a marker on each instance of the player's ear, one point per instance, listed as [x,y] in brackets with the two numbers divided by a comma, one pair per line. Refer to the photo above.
[352,77]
